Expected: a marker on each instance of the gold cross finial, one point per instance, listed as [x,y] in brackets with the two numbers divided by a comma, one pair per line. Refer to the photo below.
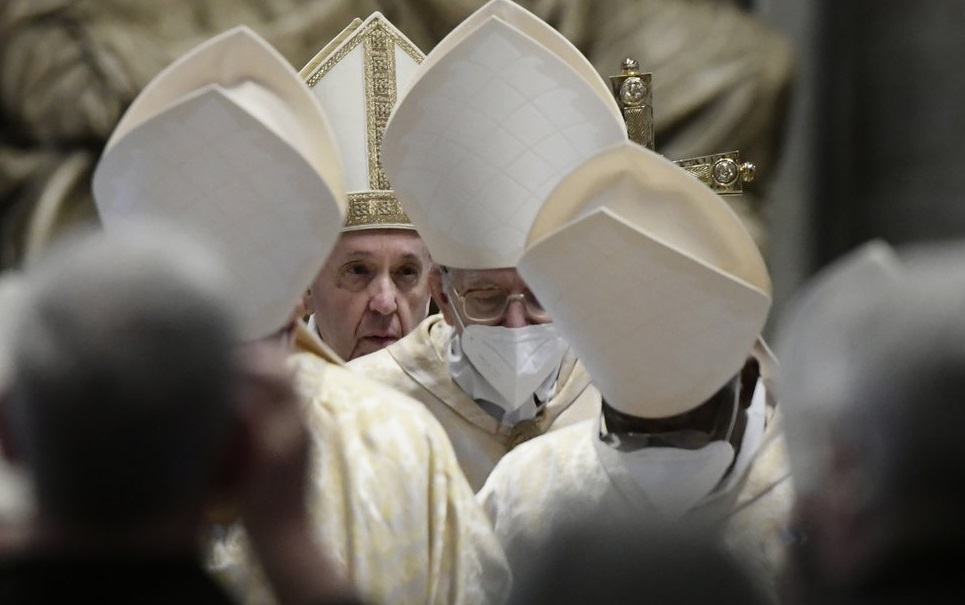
[633,94]
[722,172]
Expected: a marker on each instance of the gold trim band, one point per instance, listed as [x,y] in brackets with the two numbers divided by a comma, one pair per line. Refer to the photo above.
[380,94]
[375,210]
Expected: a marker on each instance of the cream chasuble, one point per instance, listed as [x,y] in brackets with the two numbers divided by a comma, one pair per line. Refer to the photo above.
[416,365]
[230,143]
[390,503]
[571,477]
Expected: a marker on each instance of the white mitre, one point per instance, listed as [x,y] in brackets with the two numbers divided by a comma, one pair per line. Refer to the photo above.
[498,113]
[358,77]
[652,279]
[229,143]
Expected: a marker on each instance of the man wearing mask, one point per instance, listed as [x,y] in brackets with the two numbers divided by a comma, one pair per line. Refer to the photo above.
[373,288]
[499,111]
[689,434]
[228,142]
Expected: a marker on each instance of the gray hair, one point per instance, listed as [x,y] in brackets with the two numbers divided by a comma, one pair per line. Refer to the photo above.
[122,375]
[816,342]
[873,359]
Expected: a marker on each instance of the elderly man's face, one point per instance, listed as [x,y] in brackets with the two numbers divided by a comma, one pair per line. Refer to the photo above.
[372,290]
[495,297]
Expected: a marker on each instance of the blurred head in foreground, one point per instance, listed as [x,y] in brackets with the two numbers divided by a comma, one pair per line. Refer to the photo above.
[119,399]
[872,356]
[608,563]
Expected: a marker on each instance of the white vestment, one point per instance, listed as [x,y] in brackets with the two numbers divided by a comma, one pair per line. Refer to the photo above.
[417,365]
[389,500]
[571,476]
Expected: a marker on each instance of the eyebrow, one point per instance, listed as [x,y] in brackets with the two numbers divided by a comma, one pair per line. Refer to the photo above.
[481,283]
[365,254]
[409,256]
[358,254]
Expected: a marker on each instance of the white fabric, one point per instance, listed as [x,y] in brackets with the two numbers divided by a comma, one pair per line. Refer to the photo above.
[417,365]
[570,476]
[388,499]
[496,116]
[520,19]
[475,385]
[676,479]
[229,143]
[650,277]
[341,89]
[507,366]
[674,499]
[342,93]
[753,436]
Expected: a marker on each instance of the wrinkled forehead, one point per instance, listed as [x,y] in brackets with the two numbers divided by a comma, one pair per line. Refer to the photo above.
[475,279]
[387,244]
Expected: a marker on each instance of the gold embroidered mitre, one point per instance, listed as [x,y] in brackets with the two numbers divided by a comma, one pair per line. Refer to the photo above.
[357,77]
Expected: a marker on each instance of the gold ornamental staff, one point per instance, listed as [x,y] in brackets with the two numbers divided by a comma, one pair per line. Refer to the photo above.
[722,172]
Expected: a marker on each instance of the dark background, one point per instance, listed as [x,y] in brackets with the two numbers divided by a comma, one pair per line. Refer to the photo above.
[874,144]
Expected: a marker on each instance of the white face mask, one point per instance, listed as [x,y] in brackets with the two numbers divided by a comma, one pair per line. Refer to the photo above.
[676,479]
[511,364]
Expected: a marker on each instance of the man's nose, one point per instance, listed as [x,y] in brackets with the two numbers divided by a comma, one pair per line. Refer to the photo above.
[383,296]
[515,316]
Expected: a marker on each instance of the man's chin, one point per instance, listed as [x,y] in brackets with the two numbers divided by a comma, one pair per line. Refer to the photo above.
[371,344]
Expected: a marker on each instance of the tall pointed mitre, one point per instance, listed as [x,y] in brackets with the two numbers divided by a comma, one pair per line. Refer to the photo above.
[357,78]
[651,278]
[229,143]
[498,113]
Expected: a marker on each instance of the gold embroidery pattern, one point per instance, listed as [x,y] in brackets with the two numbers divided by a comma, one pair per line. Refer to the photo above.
[321,65]
[523,431]
[722,172]
[369,209]
[378,207]
[305,73]
[380,94]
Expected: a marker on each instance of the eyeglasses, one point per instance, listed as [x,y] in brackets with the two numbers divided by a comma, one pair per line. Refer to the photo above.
[489,305]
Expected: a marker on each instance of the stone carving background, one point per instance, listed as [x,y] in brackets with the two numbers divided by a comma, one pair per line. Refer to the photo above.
[69,68]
